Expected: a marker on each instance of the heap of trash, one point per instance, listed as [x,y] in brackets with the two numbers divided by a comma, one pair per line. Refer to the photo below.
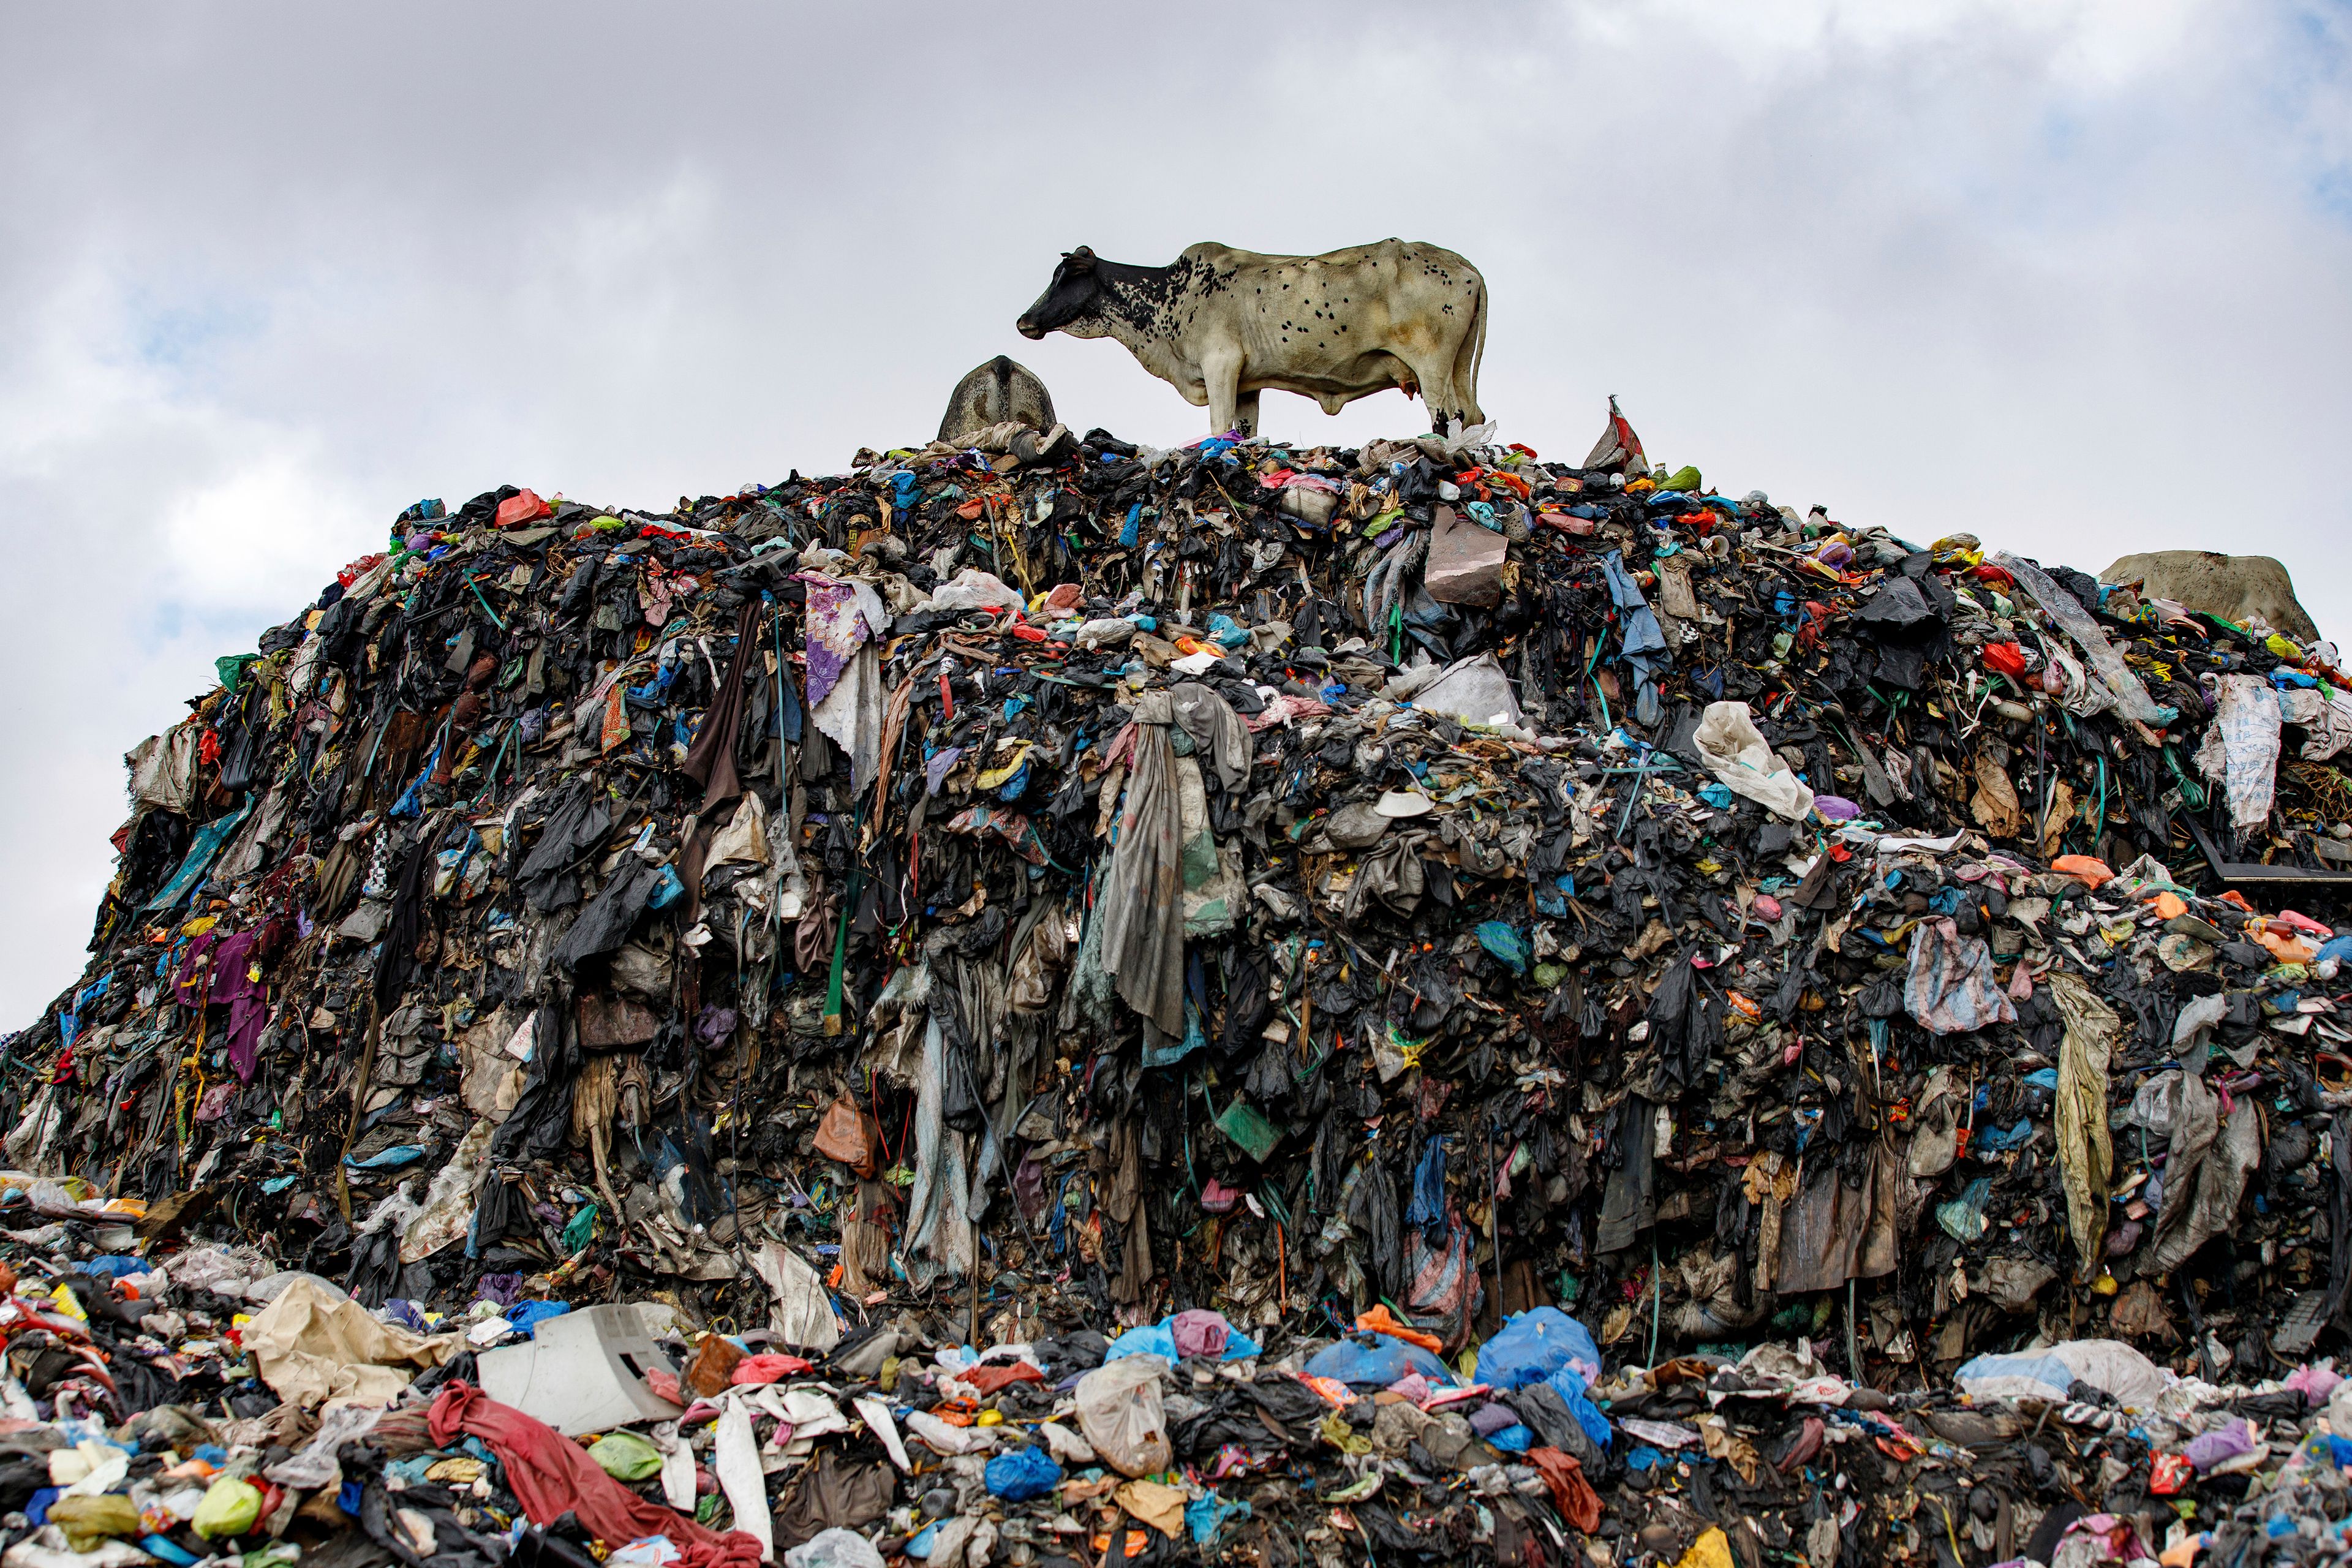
[1049,1002]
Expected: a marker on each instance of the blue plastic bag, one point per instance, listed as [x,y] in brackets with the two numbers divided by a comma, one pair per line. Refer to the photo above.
[1021,1475]
[397,1156]
[1204,1517]
[1427,1210]
[1569,1385]
[527,1315]
[1502,940]
[1152,1339]
[1534,1344]
[1378,1365]
[1160,1338]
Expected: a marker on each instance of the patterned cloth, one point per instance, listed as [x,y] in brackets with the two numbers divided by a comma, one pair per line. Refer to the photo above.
[2249,726]
[845,669]
[836,630]
[1952,988]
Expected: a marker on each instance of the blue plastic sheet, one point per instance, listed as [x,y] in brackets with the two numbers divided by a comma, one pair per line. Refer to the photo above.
[202,846]
[1427,1210]
[384,1160]
[1570,1384]
[1204,1517]
[1502,940]
[2016,1377]
[1022,1475]
[1151,1338]
[1383,1361]
[527,1315]
[1534,1344]
[1160,1338]
[1644,641]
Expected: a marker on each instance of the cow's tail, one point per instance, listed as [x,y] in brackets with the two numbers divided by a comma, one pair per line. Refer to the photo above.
[1474,349]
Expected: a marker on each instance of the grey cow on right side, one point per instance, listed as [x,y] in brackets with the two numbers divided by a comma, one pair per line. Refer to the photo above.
[2238,588]
[994,393]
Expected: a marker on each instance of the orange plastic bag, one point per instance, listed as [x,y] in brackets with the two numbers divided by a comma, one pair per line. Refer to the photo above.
[1380,1321]
[848,1134]
[2090,870]
[713,1367]
[523,506]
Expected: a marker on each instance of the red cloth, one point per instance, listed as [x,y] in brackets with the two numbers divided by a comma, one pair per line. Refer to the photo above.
[1578,1503]
[760,1369]
[523,506]
[997,1375]
[549,1475]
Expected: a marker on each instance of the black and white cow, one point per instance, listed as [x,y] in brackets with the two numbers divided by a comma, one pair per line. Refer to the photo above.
[1223,325]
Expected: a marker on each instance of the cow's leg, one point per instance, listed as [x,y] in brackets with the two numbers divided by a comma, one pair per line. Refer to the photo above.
[1437,393]
[1466,364]
[1245,413]
[1221,374]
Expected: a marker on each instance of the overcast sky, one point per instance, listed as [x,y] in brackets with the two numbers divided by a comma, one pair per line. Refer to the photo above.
[2075,277]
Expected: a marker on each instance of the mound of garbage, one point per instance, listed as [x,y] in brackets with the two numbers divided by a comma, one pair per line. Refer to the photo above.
[1045,1001]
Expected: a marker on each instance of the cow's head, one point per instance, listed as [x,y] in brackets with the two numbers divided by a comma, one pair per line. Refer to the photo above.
[1071,303]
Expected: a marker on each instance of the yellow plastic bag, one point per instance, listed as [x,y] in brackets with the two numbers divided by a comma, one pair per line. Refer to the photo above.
[87,1520]
[230,1508]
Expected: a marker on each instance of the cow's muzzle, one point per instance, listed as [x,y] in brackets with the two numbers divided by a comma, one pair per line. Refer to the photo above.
[1028,327]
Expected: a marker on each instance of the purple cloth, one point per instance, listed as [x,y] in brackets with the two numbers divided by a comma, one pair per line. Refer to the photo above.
[185,989]
[937,765]
[229,984]
[499,1289]
[1200,1332]
[835,632]
[2212,1448]
[1836,808]
[1491,1419]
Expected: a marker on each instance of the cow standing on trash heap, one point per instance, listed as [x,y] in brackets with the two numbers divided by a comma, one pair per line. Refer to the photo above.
[1002,390]
[1221,325]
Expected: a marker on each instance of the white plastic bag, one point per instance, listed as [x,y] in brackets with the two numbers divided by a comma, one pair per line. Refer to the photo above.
[1120,1412]
[973,589]
[1734,750]
[834,1548]
[1473,691]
